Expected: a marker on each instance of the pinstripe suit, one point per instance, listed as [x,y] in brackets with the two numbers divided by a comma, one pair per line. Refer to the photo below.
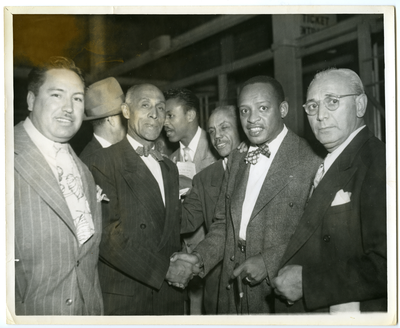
[53,275]
[139,233]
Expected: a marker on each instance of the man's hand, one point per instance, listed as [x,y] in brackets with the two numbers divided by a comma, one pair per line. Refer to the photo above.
[243,147]
[253,269]
[182,269]
[289,283]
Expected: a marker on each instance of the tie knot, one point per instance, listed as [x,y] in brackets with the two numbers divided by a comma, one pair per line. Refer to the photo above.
[61,147]
[186,154]
[146,151]
[253,156]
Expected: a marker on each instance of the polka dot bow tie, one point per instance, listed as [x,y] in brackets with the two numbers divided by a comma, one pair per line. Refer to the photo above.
[145,151]
[253,156]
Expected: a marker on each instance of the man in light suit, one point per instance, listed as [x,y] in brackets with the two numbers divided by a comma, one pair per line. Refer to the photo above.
[56,239]
[336,259]
[199,205]
[261,201]
[194,154]
[103,108]
[141,221]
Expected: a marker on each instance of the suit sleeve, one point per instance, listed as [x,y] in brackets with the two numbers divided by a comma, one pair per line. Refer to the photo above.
[117,248]
[192,212]
[363,277]
[211,249]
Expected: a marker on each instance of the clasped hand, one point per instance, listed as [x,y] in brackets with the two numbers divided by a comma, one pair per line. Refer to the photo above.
[182,268]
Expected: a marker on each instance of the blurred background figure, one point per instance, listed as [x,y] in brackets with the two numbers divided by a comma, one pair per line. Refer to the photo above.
[104,101]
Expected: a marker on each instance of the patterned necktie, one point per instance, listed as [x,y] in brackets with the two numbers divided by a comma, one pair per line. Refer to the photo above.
[253,156]
[70,183]
[317,179]
[186,154]
[146,151]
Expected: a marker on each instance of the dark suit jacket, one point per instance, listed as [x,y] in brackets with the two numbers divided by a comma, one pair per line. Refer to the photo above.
[139,233]
[53,275]
[92,146]
[279,206]
[343,248]
[198,208]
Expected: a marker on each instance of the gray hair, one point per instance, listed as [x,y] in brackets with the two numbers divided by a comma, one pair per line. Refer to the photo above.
[349,75]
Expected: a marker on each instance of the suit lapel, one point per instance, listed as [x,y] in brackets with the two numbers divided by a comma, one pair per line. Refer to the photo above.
[33,167]
[278,175]
[171,197]
[335,179]
[241,171]
[142,183]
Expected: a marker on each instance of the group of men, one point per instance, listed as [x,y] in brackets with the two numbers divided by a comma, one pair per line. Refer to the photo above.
[264,227]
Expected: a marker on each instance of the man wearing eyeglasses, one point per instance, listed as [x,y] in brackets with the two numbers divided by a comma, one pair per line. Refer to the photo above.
[336,259]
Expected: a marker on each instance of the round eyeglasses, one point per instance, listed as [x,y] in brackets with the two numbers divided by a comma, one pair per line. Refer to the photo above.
[331,102]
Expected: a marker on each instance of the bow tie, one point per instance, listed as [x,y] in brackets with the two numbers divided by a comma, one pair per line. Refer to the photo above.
[253,156]
[146,151]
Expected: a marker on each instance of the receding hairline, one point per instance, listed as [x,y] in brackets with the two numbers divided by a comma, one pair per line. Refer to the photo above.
[133,90]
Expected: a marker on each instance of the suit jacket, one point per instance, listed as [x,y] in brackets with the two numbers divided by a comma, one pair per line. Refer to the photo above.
[203,157]
[342,248]
[198,208]
[53,274]
[139,232]
[278,208]
[92,146]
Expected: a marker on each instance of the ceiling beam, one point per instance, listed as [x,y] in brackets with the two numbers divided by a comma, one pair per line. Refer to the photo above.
[260,57]
[195,35]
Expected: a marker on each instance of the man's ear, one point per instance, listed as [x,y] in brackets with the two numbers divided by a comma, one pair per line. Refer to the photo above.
[125,111]
[361,104]
[30,99]
[111,120]
[283,108]
[191,115]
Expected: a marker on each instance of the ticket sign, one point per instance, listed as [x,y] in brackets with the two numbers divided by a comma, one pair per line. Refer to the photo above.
[311,23]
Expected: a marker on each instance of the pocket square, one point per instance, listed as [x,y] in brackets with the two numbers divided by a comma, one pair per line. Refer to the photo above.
[341,197]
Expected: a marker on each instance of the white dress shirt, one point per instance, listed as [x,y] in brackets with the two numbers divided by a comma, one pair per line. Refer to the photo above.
[331,157]
[152,165]
[103,142]
[192,145]
[45,145]
[257,175]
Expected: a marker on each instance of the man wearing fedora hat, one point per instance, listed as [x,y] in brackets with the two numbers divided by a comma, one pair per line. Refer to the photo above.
[104,101]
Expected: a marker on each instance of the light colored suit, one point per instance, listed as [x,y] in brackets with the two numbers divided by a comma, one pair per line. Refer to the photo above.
[53,275]
[278,208]
[341,244]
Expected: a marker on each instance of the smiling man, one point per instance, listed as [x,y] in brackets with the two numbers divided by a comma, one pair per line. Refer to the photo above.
[57,216]
[142,218]
[262,198]
[336,260]
[199,204]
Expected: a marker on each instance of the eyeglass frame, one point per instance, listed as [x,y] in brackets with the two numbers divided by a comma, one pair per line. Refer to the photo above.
[327,96]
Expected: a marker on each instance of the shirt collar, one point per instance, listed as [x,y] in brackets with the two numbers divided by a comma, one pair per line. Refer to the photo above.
[274,144]
[134,143]
[331,157]
[103,142]
[194,142]
[45,145]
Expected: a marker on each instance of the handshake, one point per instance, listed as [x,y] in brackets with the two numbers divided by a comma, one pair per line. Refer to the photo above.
[182,268]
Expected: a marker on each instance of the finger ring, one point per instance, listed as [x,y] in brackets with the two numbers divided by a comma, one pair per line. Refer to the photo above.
[248,279]
[290,303]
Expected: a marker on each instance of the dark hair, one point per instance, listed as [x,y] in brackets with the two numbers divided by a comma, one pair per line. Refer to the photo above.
[36,76]
[187,97]
[267,80]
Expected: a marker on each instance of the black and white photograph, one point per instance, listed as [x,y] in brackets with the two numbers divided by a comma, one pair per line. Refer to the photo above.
[231,165]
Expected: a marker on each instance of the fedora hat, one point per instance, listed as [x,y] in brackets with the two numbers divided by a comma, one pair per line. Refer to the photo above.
[103,98]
